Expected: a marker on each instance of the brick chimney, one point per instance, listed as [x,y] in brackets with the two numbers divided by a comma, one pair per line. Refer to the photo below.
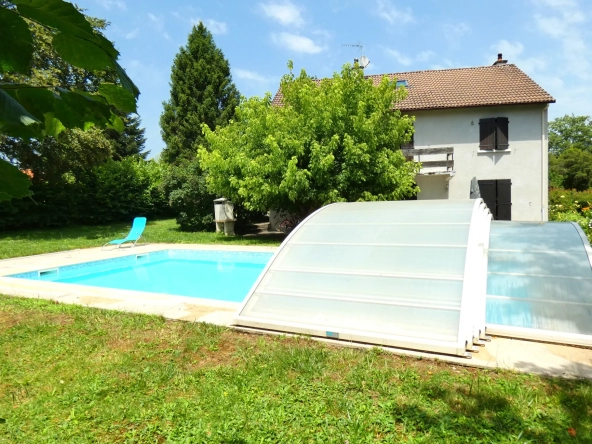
[500,60]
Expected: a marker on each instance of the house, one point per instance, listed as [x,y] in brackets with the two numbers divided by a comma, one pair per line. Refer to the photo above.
[479,132]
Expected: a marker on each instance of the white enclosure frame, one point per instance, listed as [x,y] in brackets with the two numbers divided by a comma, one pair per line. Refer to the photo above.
[471,323]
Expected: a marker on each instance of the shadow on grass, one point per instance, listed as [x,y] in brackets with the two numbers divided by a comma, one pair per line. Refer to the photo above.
[480,416]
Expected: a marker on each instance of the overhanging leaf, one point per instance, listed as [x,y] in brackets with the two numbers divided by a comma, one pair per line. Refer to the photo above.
[17,56]
[13,183]
[14,119]
[65,18]
[126,82]
[53,126]
[116,123]
[81,53]
[77,109]
[35,100]
[119,97]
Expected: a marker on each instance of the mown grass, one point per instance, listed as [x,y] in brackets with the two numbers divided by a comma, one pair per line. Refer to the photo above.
[28,242]
[80,375]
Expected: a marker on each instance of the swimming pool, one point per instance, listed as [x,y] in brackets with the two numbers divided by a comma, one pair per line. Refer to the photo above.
[219,275]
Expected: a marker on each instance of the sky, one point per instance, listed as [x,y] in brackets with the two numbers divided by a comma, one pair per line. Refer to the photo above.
[550,40]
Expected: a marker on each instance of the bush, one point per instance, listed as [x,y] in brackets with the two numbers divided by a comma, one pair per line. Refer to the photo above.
[111,192]
[572,206]
[192,203]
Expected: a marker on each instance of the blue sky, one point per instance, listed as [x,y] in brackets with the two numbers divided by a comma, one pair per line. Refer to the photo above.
[551,40]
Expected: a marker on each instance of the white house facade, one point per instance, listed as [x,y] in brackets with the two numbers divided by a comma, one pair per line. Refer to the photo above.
[480,132]
[523,163]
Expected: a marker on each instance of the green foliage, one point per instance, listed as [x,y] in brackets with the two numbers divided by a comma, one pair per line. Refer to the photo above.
[77,374]
[572,206]
[202,92]
[130,141]
[571,169]
[13,183]
[30,107]
[570,132]
[333,140]
[189,198]
[110,192]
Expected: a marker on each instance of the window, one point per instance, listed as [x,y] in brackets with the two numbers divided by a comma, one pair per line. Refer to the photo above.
[493,133]
[497,195]
[404,83]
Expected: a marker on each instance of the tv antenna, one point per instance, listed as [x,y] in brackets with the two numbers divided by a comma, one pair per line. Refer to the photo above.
[363,61]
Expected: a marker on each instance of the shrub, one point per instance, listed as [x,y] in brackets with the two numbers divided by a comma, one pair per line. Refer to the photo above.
[111,192]
[572,206]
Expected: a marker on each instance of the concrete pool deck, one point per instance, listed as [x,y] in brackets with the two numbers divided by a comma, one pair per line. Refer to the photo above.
[505,353]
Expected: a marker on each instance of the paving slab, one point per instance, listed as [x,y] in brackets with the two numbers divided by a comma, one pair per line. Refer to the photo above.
[505,353]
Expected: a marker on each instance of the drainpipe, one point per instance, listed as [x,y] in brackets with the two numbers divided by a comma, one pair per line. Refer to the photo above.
[543,162]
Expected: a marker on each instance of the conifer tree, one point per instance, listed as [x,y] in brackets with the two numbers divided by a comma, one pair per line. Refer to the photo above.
[201,92]
[129,142]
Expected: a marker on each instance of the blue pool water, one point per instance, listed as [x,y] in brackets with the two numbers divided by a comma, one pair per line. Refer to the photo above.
[220,275]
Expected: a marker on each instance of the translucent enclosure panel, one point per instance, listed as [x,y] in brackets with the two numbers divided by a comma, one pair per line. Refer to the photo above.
[436,261]
[433,212]
[381,272]
[385,289]
[364,317]
[565,318]
[540,288]
[535,236]
[543,264]
[385,234]
[539,277]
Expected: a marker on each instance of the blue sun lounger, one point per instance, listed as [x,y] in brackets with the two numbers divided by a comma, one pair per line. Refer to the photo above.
[134,235]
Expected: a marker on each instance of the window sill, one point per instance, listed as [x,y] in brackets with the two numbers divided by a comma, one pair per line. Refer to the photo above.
[508,151]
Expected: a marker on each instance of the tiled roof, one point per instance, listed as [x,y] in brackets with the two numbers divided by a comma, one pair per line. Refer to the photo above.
[503,84]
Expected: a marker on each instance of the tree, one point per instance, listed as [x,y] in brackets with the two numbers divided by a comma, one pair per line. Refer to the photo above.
[570,132]
[202,92]
[574,167]
[33,110]
[129,142]
[333,140]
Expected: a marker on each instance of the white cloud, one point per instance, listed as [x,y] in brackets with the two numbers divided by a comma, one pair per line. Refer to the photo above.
[512,52]
[455,30]
[216,27]
[132,34]
[296,43]
[395,16]
[425,56]
[286,13]
[245,74]
[405,60]
[400,58]
[158,23]
[108,4]
[564,21]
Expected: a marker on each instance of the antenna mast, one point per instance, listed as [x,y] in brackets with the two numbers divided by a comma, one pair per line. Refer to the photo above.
[363,60]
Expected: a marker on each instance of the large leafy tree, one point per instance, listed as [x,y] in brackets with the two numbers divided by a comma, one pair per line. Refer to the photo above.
[202,92]
[570,132]
[33,104]
[333,140]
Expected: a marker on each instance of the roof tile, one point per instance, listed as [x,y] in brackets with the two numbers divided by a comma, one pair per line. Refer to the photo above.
[503,84]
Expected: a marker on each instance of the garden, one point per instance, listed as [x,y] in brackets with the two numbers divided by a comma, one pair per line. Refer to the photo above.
[74,172]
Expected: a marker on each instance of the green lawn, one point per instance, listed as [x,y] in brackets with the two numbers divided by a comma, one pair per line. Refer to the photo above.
[28,242]
[70,374]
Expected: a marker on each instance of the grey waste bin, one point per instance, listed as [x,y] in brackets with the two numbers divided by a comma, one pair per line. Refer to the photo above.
[224,216]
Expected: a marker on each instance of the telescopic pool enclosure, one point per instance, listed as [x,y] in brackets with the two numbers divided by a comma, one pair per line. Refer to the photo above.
[422,275]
